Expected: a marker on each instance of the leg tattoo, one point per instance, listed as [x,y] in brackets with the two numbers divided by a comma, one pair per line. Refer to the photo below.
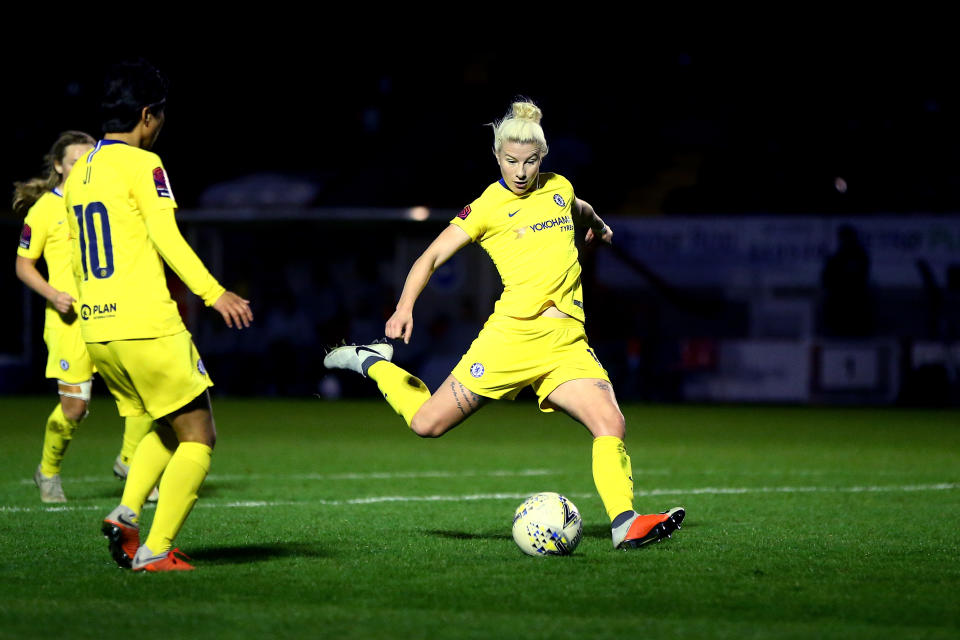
[456,397]
[472,399]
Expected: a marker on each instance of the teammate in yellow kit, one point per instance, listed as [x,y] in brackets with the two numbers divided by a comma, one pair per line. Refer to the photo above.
[46,234]
[122,223]
[535,336]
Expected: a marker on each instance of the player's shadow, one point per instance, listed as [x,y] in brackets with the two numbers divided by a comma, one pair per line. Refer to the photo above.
[257,553]
[596,530]
[463,535]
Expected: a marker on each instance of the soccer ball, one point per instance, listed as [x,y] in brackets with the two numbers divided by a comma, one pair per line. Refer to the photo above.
[547,524]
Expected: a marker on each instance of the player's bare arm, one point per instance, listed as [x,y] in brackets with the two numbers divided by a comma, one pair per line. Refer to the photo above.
[28,273]
[584,213]
[450,240]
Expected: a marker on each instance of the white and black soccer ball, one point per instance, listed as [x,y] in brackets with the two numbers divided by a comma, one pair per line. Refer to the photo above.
[547,524]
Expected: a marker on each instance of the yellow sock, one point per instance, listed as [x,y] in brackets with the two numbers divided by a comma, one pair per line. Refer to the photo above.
[613,475]
[134,429]
[56,439]
[405,393]
[147,463]
[178,492]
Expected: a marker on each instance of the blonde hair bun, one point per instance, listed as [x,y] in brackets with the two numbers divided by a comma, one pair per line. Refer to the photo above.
[526,111]
[521,124]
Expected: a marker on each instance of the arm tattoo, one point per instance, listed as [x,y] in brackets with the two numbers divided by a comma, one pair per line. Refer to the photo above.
[453,388]
[600,384]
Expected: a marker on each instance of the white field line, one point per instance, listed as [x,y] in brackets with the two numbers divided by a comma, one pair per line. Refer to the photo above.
[255,504]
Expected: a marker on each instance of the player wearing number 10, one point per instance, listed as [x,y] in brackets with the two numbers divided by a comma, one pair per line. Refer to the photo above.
[121,214]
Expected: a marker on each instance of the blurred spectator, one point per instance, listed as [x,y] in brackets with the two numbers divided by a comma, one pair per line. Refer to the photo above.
[847,309]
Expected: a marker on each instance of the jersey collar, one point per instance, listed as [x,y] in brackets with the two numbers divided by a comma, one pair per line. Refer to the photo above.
[504,185]
[101,144]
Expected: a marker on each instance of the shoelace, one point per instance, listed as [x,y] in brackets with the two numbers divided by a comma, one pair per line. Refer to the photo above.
[173,558]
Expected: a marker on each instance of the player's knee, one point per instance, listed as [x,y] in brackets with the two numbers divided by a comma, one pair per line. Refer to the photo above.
[206,435]
[611,423]
[620,425]
[427,426]
[209,439]
[74,409]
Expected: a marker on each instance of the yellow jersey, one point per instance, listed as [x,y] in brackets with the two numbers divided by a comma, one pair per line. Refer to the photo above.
[530,238]
[47,234]
[121,222]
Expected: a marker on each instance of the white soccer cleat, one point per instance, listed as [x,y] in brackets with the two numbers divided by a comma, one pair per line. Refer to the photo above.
[352,356]
[641,530]
[51,491]
[121,470]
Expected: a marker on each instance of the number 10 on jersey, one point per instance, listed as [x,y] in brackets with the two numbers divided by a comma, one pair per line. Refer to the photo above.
[90,241]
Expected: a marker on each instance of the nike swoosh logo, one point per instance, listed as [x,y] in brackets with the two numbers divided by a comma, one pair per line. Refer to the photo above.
[359,349]
[126,522]
[510,215]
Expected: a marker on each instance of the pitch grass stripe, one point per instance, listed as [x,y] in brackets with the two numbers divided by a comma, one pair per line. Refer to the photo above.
[230,477]
[254,504]
[386,475]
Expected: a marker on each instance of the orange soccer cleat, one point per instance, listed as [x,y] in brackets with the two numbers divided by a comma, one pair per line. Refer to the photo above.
[167,561]
[644,529]
[124,537]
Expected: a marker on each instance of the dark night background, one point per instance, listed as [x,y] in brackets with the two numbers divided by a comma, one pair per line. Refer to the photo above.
[656,128]
[820,125]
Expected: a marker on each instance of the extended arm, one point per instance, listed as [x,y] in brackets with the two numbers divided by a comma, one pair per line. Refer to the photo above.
[584,214]
[163,231]
[450,240]
[28,273]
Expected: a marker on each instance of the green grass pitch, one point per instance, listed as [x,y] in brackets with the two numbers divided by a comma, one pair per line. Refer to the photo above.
[325,519]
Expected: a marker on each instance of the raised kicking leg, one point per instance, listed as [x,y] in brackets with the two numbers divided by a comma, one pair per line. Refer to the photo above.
[450,405]
[429,416]
[591,402]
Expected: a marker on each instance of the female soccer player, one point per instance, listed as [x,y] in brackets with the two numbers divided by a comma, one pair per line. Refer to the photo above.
[535,336]
[45,233]
[123,230]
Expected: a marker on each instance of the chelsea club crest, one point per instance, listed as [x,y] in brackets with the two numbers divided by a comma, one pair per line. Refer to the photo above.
[559,200]
[476,370]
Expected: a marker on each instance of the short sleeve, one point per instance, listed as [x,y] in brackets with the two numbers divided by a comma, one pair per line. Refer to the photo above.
[471,221]
[33,236]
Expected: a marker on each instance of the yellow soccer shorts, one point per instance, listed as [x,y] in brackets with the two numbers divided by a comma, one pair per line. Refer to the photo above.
[67,357]
[511,353]
[155,376]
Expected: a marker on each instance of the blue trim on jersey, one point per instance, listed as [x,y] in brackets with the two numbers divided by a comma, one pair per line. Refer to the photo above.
[101,144]
[57,192]
[94,152]
[504,184]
